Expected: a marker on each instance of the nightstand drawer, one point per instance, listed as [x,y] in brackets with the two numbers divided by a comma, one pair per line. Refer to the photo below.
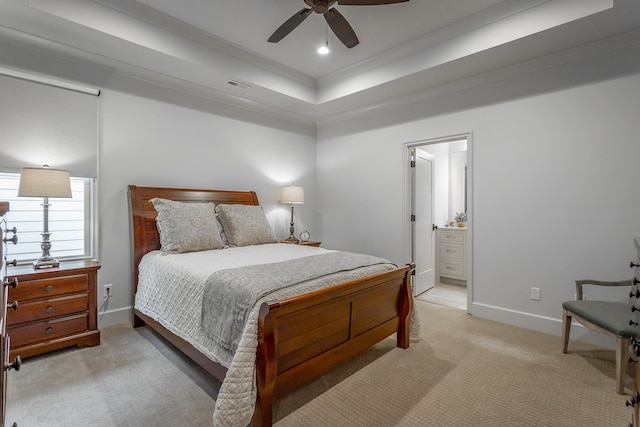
[48,330]
[52,286]
[46,309]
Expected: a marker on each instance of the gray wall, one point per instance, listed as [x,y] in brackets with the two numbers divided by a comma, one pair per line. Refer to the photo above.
[148,142]
[554,193]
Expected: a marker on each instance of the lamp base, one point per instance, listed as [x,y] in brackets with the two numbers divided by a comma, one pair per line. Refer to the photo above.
[292,239]
[45,263]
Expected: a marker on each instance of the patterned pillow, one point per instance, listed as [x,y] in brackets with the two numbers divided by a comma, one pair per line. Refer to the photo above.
[223,235]
[245,225]
[187,227]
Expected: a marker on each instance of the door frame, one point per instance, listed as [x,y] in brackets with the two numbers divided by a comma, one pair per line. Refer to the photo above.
[407,226]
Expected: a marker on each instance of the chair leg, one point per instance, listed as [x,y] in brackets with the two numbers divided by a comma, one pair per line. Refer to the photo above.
[566,330]
[622,356]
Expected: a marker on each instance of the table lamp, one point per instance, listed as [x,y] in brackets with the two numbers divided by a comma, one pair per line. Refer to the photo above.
[45,182]
[292,194]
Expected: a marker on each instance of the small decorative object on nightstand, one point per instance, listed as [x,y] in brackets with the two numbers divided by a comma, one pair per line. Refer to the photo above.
[305,236]
[57,308]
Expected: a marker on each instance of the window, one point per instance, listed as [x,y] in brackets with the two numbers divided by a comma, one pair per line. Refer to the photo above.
[70,221]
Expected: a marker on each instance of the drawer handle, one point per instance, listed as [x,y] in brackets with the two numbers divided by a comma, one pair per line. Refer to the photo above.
[17,363]
[13,239]
[48,331]
[13,282]
[48,288]
[49,309]
[631,264]
[14,305]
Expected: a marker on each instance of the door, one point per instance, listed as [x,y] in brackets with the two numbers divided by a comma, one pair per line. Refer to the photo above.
[423,238]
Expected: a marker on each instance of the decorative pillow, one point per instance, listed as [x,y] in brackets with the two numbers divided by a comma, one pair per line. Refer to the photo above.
[245,225]
[223,235]
[187,227]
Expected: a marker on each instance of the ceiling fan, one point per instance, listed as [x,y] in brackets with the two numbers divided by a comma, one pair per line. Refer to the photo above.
[336,21]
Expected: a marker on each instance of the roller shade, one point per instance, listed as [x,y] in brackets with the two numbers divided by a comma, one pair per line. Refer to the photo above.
[44,124]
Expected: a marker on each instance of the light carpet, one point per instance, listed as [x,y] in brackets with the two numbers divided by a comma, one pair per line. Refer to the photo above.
[464,372]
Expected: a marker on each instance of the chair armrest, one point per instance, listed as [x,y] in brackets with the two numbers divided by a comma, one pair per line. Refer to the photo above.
[579,283]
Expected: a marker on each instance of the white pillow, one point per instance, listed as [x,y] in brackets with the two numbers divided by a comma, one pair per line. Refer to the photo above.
[245,225]
[187,227]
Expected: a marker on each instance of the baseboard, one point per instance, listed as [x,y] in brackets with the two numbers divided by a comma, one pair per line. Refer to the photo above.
[539,323]
[452,281]
[115,317]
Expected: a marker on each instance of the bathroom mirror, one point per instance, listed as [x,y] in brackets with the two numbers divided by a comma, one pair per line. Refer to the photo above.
[458,182]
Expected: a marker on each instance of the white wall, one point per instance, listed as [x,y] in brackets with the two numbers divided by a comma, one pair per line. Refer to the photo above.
[555,193]
[147,142]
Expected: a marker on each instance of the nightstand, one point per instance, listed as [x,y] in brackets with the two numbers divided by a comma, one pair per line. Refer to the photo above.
[57,308]
[309,243]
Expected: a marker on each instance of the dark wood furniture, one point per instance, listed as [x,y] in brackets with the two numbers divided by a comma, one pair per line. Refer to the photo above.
[634,402]
[57,308]
[308,243]
[301,338]
[5,341]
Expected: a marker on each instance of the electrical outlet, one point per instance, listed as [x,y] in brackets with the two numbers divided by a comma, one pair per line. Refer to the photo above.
[535,294]
[107,291]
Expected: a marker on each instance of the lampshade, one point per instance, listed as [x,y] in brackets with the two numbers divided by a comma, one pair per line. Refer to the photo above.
[292,194]
[44,182]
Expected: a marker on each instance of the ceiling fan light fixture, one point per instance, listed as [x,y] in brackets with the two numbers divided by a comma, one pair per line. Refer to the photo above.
[324,49]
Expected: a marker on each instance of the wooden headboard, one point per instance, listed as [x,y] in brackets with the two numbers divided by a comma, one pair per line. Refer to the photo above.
[143,214]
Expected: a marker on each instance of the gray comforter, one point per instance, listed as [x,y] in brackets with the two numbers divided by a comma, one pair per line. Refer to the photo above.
[230,294]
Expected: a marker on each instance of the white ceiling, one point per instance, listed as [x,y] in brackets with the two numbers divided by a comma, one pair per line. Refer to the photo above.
[197,46]
[249,23]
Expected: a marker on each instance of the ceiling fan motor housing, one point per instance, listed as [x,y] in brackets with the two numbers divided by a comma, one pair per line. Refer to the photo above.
[320,6]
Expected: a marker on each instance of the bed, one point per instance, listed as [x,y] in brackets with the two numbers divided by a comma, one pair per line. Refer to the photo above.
[297,338]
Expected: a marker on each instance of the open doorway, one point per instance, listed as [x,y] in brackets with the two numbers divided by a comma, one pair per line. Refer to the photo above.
[439,194]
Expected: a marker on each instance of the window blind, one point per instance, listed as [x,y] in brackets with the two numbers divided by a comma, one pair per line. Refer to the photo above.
[44,124]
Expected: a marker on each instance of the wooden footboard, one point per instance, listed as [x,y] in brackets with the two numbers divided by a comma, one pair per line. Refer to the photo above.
[304,337]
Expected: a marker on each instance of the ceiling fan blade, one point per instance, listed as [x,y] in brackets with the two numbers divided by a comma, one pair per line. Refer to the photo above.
[289,25]
[368,2]
[341,28]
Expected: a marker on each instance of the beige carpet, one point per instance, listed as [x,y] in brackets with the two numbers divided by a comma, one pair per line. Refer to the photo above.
[465,372]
